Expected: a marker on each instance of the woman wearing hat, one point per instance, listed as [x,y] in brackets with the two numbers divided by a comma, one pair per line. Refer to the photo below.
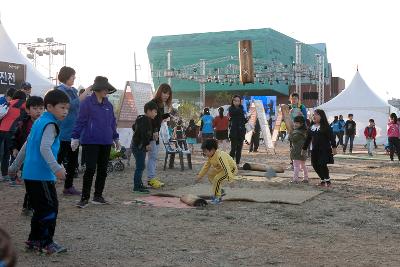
[96,130]
[66,76]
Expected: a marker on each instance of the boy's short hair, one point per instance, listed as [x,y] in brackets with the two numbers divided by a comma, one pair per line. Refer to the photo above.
[299,119]
[34,101]
[350,115]
[150,106]
[209,144]
[65,73]
[19,94]
[294,95]
[10,92]
[371,120]
[54,97]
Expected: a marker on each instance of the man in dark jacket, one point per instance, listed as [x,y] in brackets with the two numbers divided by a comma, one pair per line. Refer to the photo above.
[350,132]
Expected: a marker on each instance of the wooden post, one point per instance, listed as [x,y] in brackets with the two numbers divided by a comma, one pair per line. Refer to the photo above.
[246,62]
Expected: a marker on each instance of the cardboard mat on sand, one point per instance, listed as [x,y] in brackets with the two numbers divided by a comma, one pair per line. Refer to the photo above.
[289,174]
[286,196]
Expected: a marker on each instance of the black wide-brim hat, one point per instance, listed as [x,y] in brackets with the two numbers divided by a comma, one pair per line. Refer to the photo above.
[101,83]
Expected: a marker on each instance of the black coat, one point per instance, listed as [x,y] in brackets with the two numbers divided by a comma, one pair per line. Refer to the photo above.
[322,144]
[237,122]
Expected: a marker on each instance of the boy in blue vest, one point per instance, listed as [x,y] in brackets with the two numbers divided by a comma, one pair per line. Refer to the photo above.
[41,171]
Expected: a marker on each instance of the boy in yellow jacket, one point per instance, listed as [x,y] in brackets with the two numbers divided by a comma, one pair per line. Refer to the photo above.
[223,168]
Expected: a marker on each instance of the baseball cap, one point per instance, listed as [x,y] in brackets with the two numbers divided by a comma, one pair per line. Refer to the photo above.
[26,85]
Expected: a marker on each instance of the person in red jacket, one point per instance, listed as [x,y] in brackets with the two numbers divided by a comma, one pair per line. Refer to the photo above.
[221,124]
[370,135]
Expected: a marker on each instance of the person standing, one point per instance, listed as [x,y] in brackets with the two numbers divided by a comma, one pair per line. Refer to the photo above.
[298,136]
[237,128]
[4,100]
[191,135]
[393,133]
[350,132]
[163,99]
[95,129]
[370,134]
[341,130]
[27,89]
[255,137]
[206,126]
[323,146]
[296,108]
[221,125]
[335,125]
[66,156]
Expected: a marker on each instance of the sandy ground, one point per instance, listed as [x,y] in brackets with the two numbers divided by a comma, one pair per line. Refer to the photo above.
[354,223]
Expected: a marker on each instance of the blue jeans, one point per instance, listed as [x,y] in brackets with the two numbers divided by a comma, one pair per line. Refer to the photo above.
[140,158]
[152,160]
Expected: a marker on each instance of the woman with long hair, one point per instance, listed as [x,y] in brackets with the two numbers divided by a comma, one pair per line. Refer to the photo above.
[221,125]
[321,136]
[237,129]
[163,99]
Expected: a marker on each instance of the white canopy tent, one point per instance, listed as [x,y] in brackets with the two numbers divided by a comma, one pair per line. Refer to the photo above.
[10,53]
[359,100]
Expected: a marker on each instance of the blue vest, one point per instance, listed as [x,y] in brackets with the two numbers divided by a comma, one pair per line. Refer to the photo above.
[35,167]
[207,124]
[67,125]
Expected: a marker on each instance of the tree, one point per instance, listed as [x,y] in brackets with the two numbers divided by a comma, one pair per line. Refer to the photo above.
[188,111]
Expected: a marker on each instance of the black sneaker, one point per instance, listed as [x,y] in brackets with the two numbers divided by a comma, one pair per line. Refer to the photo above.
[82,204]
[223,193]
[99,201]
[141,190]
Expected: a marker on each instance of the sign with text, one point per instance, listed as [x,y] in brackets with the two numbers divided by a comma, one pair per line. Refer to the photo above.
[11,75]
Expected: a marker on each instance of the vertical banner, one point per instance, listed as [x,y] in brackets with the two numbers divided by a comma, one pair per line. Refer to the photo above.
[11,75]
[262,118]
[142,93]
[246,62]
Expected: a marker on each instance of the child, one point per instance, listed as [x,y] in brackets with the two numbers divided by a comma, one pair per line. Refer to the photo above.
[191,135]
[95,129]
[223,168]
[179,135]
[41,171]
[296,109]
[143,135]
[370,134]
[282,131]
[255,137]
[341,130]
[237,128]
[350,132]
[221,124]
[393,134]
[298,137]
[34,108]
[206,127]
[323,146]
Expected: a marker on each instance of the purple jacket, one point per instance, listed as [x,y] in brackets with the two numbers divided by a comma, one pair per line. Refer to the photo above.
[96,122]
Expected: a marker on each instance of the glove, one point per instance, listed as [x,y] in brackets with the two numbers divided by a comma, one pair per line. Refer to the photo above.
[74,144]
[117,145]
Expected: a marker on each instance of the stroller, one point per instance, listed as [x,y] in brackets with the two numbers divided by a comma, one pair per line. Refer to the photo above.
[116,157]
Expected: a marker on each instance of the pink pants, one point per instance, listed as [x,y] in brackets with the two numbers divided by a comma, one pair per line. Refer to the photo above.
[299,165]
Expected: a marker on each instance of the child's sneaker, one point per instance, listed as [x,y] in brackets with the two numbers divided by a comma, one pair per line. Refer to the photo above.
[16,183]
[140,190]
[53,248]
[32,245]
[82,204]
[215,200]
[99,201]
[155,183]
[5,179]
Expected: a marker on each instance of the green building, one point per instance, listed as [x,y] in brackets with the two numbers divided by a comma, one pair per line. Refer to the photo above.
[268,46]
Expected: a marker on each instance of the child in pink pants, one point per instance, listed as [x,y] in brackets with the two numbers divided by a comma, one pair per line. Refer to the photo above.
[298,137]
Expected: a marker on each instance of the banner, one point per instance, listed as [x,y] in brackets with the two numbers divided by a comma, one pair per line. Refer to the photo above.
[263,123]
[142,93]
[11,75]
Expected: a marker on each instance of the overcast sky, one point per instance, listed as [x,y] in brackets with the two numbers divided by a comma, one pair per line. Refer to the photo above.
[102,36]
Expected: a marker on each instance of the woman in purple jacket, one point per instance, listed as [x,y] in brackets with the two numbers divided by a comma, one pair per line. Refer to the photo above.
[96,130]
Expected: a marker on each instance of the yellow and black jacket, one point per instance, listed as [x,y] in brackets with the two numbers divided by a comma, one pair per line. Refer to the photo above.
[220,162]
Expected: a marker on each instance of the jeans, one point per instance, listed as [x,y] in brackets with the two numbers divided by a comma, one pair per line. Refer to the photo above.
[96,155]
[66,155]
[140,158]
[351,138]
[340,136]
[43,198]
[152,160]
[370,145]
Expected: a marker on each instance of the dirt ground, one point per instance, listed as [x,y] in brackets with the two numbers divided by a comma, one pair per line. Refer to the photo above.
[354,223]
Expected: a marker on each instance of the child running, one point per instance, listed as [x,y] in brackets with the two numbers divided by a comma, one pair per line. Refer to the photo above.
[143,135]
[370,134]
[223,168]
[41,171]
[297,138]
[323,146]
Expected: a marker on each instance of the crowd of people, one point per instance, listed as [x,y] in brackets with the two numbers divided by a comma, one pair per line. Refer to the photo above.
[40,140]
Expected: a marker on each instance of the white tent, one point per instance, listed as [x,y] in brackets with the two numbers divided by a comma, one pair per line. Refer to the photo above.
[10,53]
[360,100]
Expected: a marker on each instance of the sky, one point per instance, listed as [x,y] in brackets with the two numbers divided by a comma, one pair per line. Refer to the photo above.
[102,36]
